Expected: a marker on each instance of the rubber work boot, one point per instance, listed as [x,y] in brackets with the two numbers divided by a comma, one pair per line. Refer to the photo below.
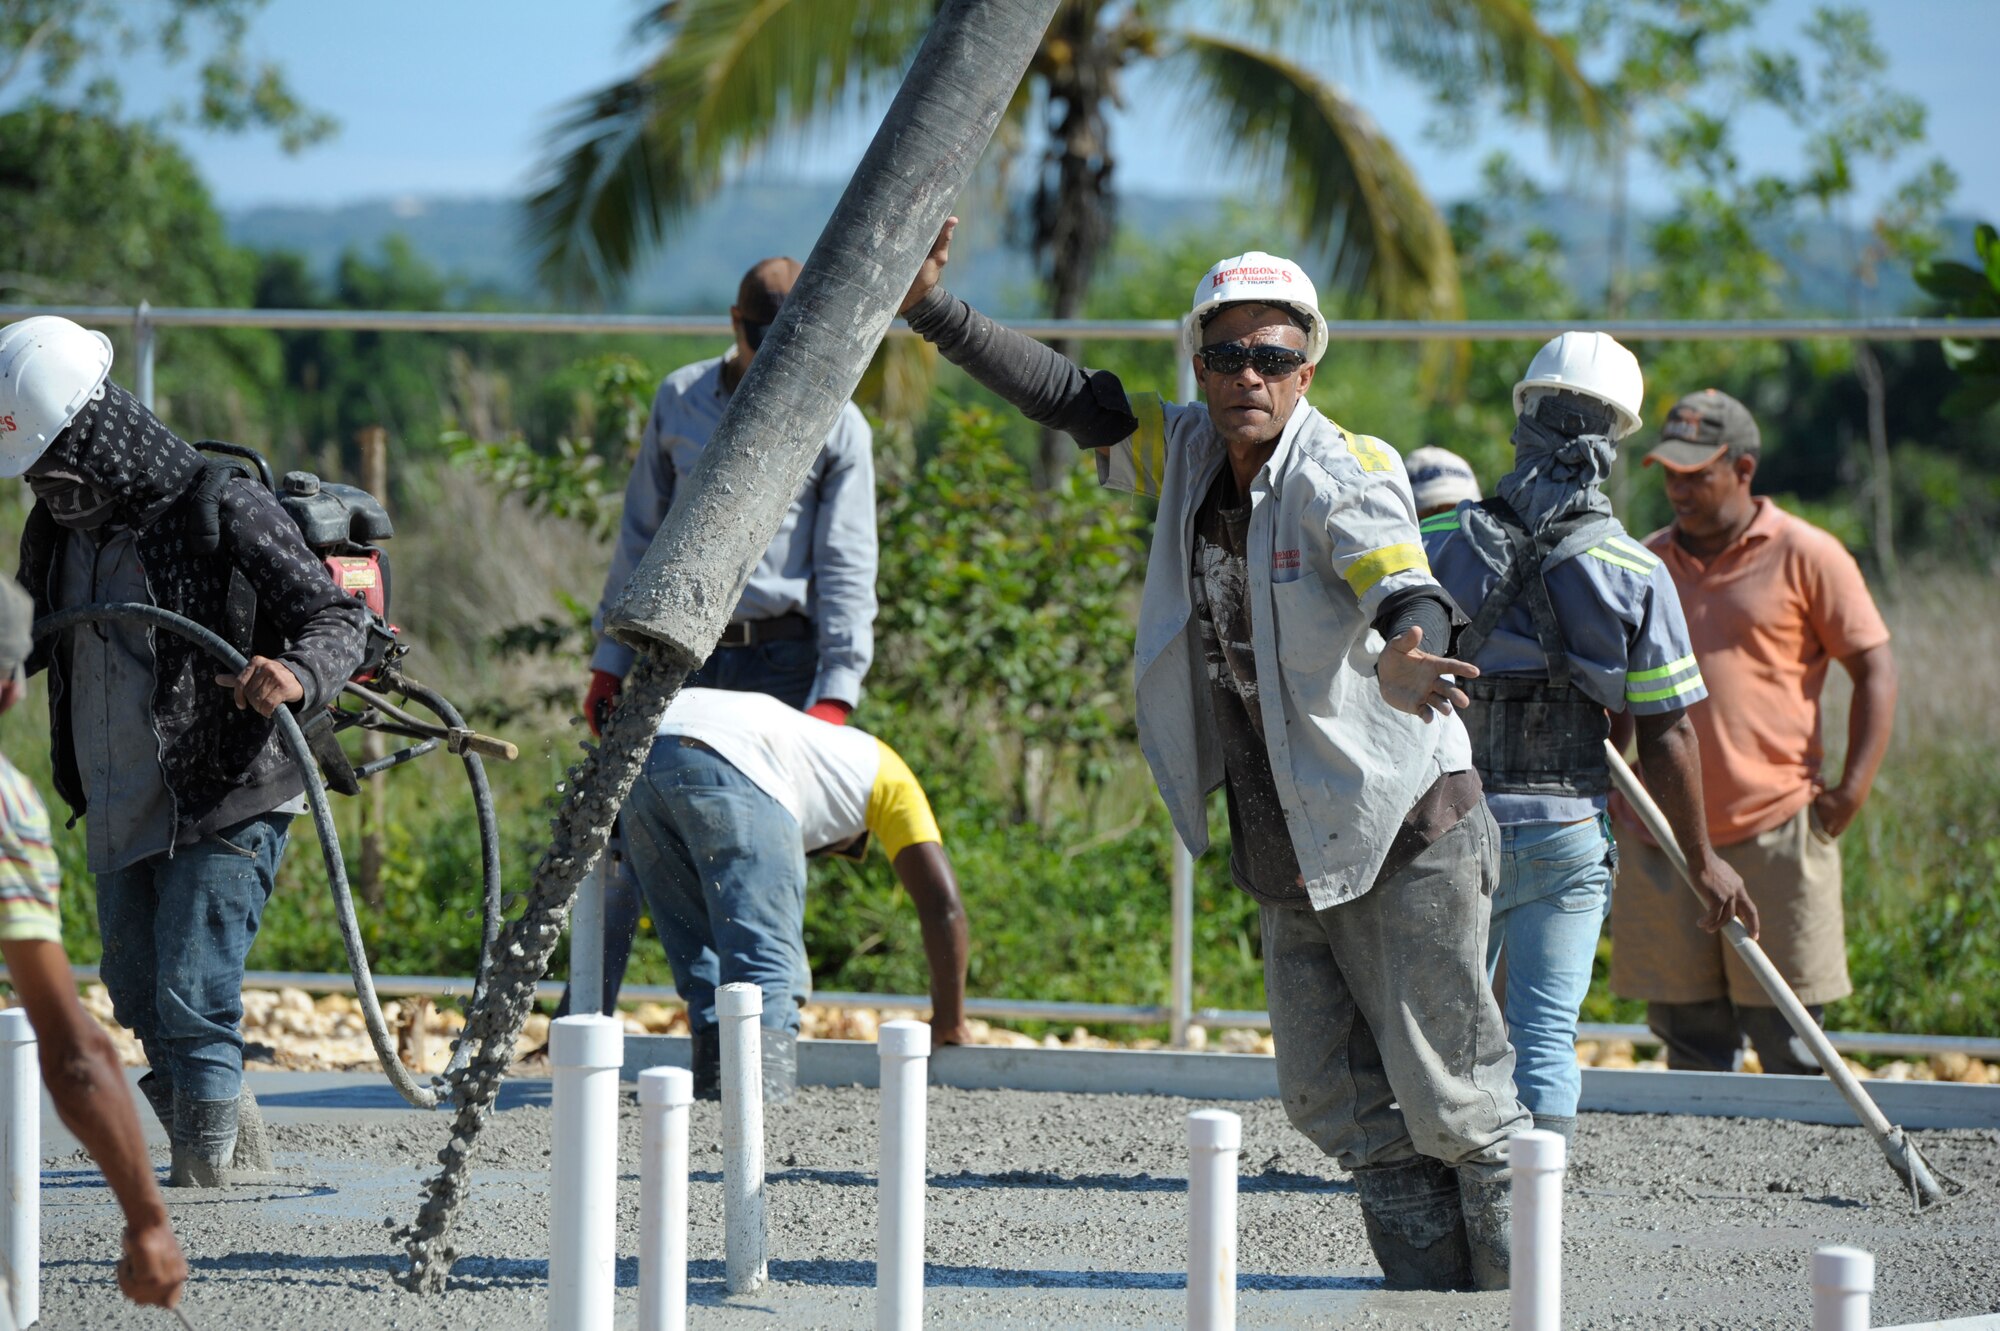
[1489,1224]
[707,1063]
[212,1149]
[1562,1125]
[781,1066]
[159,1093]
[1416,1224]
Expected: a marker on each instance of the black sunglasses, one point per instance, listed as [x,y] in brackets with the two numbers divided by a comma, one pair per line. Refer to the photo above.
[1270,362]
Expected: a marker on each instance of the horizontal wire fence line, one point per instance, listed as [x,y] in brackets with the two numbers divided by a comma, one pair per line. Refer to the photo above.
[1359,330]
[146,321]
[1029,1009]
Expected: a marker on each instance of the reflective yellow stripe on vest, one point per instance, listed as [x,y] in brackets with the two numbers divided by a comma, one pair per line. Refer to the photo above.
[1149,443]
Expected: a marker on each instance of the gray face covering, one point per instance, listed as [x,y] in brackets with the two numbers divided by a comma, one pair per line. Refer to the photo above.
[71,500]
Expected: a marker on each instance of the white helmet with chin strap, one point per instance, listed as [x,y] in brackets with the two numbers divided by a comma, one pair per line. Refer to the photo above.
[49,368]
[1256,278]
[1593,364]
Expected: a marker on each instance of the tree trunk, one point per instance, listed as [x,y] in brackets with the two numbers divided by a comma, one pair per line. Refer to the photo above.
[679,598]
[1881,482]
[1073,216]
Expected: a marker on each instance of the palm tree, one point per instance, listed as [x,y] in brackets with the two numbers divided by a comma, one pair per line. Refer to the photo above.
[628,161]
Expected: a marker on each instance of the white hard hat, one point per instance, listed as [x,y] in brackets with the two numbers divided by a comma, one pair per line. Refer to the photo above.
[1440,478]
[1261,279]
[1593,364]
[49,367]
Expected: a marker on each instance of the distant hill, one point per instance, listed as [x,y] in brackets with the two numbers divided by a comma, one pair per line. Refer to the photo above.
[476,241]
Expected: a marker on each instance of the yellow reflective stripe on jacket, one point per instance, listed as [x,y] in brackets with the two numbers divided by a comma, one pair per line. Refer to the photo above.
[1688,685]
[1661,672]
[1367,452]
[1149,443]
[1376,565]
[1622,561]
[1626,545]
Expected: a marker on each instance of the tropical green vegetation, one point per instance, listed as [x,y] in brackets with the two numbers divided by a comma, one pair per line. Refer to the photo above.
[1003,668]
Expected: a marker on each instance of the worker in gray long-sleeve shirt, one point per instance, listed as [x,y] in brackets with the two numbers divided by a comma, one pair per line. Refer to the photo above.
[804,631]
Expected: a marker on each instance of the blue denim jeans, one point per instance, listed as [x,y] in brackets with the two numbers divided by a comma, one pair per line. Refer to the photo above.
[723,869]
[176,931]
[1555,890]
[786,671]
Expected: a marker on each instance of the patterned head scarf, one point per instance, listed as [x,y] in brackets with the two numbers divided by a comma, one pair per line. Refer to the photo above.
[115,462]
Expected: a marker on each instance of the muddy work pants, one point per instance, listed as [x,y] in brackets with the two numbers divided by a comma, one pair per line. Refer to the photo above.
[1382,1002]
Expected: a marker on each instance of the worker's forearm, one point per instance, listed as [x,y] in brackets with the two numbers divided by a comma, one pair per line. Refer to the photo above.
[1044,385]
[1871,716]
[1671,755]
[947,946]
[927,876]
[88,1088]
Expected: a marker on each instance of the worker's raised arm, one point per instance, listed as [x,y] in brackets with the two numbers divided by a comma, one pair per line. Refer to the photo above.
[1041,383]
[1672,757]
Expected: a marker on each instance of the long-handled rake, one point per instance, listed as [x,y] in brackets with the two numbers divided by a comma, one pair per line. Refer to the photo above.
[1901,1152]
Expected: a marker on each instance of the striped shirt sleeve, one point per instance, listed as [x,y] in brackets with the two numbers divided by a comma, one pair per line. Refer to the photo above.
[1661,673]
[29,877]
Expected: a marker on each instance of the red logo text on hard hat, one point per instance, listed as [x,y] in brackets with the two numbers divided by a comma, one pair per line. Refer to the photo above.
[7,424]
[1250,275]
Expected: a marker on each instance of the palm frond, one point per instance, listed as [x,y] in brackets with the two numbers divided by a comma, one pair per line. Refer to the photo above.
[625,162]
[1331,173]
[1458,44]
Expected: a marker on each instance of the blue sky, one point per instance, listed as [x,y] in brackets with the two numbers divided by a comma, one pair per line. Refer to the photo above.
[451,97]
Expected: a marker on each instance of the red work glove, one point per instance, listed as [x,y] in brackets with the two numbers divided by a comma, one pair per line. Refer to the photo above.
[600,698]
[831,710]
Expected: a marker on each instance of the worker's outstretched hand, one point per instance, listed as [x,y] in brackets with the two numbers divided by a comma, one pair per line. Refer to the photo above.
[152,1271]
[932,270]
[1414,681]
[265,685]
[1722,888]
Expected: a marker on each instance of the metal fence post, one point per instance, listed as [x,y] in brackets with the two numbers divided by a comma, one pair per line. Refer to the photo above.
[1180,1001]
[142,343]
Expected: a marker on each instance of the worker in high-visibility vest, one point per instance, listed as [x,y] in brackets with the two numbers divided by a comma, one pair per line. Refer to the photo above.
[1288,645]
[1572,621]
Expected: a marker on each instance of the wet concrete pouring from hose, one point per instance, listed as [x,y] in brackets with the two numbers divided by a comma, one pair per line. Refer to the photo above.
[1046,1210]
[596,789]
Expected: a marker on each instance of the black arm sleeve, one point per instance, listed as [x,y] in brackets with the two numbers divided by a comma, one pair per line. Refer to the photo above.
[1427,608]
[1044,385]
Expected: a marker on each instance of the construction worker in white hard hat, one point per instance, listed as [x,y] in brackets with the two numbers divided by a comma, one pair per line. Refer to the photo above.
[1440,480]
[1285,654]
[176,769]
[1572,620]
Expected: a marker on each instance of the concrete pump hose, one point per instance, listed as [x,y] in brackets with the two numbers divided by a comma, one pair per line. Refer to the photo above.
[489,861]
[423,1097]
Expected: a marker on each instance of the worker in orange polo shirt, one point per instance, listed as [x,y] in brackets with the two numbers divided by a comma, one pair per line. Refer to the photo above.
[1770,600]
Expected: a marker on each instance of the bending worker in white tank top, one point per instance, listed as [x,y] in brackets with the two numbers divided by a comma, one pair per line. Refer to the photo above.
[738,790]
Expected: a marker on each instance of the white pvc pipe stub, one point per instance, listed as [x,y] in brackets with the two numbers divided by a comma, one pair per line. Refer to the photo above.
[1842,1280]
[904,1039]
[666,1086]
[1537,1161]
[1537,1151]
[20,1167]
[587,1040]
[1215,1130]
[739,1000]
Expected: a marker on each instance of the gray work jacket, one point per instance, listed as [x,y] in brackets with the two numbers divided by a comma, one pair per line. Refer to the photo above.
[1333,532]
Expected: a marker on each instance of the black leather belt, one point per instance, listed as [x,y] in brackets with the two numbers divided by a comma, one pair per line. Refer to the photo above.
[780,628]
